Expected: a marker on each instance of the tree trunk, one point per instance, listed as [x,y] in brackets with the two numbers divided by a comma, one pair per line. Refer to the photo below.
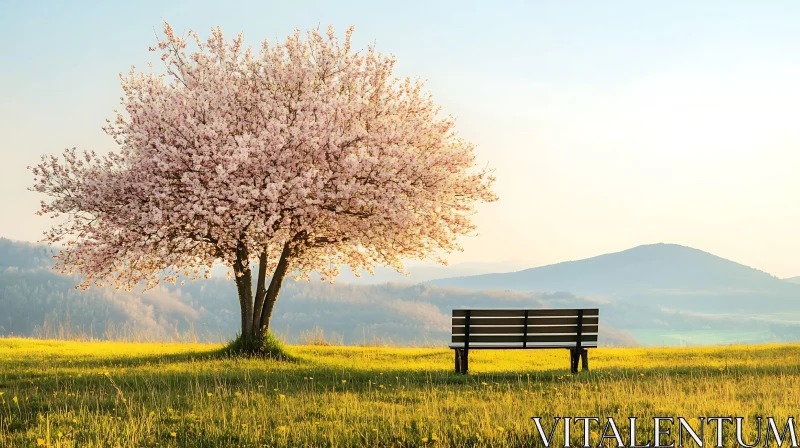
[261,292]
[274,288]
[244,285]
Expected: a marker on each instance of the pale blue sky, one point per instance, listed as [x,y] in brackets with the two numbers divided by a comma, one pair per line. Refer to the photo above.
[610,124]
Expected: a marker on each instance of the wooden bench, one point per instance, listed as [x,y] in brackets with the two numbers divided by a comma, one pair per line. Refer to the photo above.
[498,329]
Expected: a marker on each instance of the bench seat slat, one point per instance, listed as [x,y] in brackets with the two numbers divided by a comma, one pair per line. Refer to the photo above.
[521,313]
[477,321]
[518,338]
[519,329]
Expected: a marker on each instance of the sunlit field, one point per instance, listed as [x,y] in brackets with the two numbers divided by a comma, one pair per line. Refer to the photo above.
[125,394]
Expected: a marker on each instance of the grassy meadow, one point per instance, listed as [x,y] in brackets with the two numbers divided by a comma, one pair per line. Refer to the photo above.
[92,394]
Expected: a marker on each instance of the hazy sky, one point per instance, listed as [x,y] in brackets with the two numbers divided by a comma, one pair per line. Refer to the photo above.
[610,124]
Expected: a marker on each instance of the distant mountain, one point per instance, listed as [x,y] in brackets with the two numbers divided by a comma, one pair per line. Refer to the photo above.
[793,280]
[722,300]
[18,255]
[656,267]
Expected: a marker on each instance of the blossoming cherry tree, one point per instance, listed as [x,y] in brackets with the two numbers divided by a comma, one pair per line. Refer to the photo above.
[302,158]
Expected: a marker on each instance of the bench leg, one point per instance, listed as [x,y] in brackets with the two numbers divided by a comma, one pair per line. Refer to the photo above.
[585,359]
[458,360]
[464,361]
[573,360]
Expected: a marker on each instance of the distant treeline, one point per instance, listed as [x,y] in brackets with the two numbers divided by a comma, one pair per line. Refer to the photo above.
[35,301]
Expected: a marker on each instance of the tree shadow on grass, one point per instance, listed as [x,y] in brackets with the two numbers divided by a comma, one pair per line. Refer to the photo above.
[155,373]
[167,370]
[89,362]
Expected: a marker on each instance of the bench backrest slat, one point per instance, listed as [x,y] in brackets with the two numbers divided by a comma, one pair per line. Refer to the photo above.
[503,321]
[526,328]
[499,338]
[554,329]
[521,313]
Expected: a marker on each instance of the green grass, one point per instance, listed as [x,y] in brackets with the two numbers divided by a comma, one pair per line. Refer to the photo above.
[124,394]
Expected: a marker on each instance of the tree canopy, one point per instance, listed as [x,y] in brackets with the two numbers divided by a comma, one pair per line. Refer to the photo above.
[304,157]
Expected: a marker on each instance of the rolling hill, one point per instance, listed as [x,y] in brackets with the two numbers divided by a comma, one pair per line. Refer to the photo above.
[39,302]
[793,280]
[655,267]
[717,299]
